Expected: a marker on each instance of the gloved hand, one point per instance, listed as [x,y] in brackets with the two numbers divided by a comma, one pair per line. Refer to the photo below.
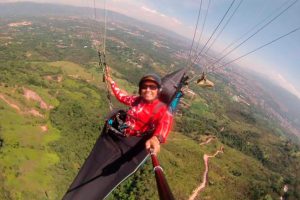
[154,144]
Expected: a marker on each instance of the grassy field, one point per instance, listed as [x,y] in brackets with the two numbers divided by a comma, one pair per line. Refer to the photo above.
[25,156]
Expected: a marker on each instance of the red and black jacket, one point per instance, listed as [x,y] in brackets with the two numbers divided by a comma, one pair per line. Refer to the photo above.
[144,116]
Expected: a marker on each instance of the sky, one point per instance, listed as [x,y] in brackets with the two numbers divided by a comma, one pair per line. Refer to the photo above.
[279,61]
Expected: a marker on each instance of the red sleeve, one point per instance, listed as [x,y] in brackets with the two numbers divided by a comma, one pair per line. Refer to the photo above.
[164,126]
[122,96]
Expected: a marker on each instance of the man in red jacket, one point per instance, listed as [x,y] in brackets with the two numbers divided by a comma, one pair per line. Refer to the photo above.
[147,113]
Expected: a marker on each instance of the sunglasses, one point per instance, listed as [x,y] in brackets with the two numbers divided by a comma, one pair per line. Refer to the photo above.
[151,87]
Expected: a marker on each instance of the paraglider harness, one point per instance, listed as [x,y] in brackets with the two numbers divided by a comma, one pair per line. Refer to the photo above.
[117,122]
[113,158]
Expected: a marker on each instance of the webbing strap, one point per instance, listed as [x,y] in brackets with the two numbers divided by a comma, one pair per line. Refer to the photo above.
[103,66]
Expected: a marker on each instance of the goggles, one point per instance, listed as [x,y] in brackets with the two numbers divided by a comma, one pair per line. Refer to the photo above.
[151,87]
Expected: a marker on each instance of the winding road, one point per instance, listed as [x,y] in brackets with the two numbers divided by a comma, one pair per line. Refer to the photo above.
[205,174]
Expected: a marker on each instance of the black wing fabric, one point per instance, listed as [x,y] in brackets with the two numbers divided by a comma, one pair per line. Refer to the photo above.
[111,161]
[169,85]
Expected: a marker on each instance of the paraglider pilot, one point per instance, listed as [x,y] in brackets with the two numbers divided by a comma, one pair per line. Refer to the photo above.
[125,141]
[147,114]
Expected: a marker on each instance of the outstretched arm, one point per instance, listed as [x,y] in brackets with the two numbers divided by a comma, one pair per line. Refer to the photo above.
[121,95]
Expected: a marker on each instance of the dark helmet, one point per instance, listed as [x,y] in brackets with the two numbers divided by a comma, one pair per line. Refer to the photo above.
[151,77]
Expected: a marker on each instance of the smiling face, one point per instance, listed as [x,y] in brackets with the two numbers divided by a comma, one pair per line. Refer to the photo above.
[149,91]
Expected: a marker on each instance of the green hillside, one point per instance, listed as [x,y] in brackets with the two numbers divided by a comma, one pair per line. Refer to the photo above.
[53,105]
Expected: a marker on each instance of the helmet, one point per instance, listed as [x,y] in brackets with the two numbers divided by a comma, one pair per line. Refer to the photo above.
[151,77]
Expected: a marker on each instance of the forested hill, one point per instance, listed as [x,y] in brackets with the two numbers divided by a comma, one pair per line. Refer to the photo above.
[53,104]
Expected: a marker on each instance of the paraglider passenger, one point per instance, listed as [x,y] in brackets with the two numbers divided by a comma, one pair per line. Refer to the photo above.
[147,114]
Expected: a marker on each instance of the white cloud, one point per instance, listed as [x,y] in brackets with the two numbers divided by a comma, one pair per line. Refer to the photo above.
[160,17]
[149,10]
[144,12]
[286,84]
[176,21]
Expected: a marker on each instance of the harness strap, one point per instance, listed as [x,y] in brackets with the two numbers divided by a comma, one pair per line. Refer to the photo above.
[103,66]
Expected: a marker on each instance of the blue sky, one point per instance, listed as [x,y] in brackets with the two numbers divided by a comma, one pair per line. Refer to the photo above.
[279,61]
